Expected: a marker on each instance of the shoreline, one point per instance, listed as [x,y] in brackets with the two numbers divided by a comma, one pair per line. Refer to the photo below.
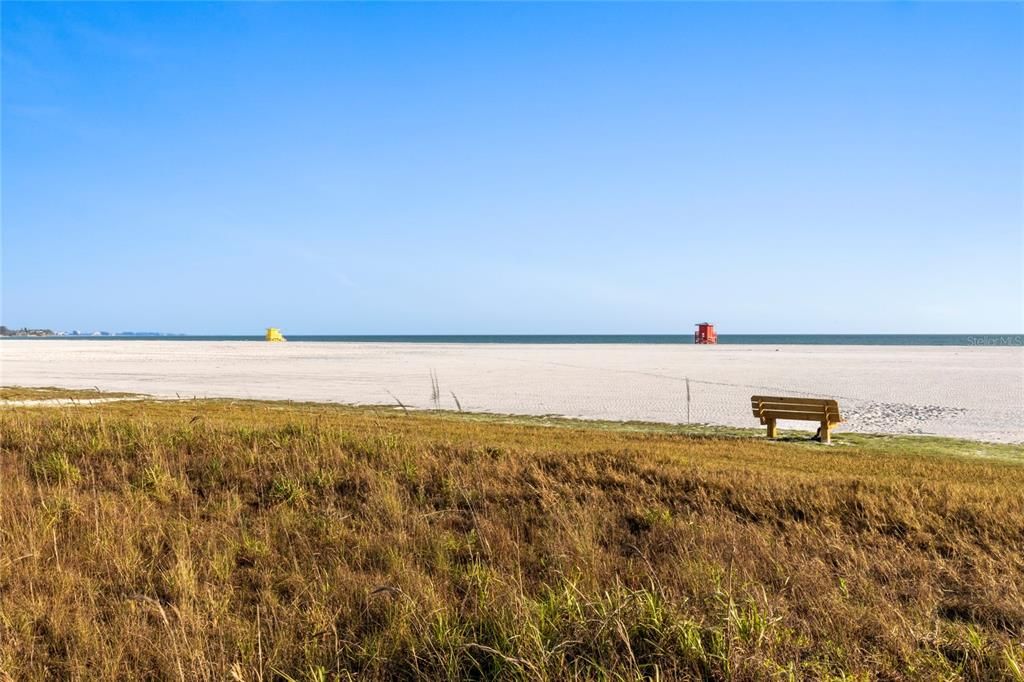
[732,340]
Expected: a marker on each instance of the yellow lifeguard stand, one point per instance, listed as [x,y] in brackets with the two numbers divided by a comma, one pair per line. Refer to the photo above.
[274,334]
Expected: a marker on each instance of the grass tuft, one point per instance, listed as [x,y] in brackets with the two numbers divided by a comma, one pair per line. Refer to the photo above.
[55,467]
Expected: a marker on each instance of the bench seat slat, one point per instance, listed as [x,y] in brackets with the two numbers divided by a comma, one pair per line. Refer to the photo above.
[795,408]
[832,417]
[798,408]
[792,401]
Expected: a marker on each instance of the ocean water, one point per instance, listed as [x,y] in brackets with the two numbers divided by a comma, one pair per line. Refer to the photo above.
[725,339]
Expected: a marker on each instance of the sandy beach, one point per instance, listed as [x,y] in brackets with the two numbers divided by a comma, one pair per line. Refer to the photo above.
[968,392]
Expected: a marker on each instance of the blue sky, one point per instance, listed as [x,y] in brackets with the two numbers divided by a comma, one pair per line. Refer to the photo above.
[516,168]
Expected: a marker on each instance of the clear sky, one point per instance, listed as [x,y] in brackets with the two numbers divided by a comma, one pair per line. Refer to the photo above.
[517,168]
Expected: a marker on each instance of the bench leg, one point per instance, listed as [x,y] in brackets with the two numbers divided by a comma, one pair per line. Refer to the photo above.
[772,432]
[825,435]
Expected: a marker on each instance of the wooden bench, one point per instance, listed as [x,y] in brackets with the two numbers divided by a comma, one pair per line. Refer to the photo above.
[770,409]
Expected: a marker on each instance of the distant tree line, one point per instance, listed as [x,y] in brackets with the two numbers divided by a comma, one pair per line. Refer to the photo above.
[24,331]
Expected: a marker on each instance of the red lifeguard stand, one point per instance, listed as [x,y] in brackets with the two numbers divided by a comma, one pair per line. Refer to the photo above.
[705,333]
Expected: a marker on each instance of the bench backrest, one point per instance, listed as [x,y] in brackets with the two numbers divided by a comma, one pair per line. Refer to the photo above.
[806,409]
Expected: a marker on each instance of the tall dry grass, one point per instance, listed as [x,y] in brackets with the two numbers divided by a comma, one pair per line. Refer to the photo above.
[211,540]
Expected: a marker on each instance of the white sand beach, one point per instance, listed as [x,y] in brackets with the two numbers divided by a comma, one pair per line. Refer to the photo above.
[969,392]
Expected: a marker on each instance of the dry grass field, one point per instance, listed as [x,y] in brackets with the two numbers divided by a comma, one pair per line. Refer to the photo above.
[19,393]
[221,540]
